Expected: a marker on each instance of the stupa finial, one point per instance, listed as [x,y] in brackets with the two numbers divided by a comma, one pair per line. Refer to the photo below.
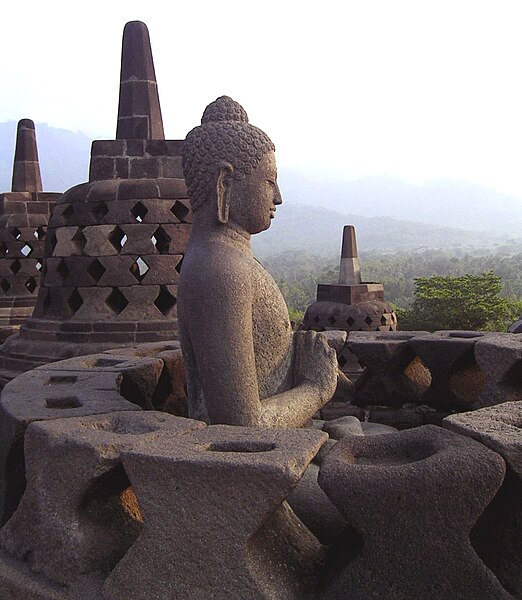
[139,111]
[26,169]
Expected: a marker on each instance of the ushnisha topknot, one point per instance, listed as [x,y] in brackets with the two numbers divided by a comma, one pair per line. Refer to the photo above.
[224,136]
[224,109]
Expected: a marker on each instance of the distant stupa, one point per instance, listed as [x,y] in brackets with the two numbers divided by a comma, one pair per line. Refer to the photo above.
[351,304]
[24,214]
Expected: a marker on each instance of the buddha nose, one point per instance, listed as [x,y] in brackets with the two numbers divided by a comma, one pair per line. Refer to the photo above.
[277,196]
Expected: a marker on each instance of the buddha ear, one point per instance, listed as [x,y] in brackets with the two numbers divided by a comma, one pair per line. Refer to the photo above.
[223,191]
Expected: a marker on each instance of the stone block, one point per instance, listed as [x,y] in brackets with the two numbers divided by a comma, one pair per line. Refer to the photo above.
[42,395]
[500,359]
[414,498]
[239,530]
[88,516]
[456,380]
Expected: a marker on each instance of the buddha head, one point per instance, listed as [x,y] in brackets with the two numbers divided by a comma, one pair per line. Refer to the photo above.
[229,167]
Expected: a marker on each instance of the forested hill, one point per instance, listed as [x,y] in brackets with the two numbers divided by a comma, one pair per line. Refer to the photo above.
[441,202]
[318,231]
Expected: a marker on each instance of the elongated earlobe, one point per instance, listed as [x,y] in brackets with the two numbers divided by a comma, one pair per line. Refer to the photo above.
[223,192]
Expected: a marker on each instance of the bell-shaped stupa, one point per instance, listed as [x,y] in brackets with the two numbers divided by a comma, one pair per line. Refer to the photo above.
[24,214]
[351,304]
[115,244]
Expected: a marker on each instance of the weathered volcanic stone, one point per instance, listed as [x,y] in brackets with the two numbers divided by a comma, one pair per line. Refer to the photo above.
[500,359]
[215,524]
[79,514]
[139,112]
[497,537]
[26,170]
[392,375]
[42,395]
[24,214]
[115,245]
[351,304]
[169,395]
[456,380]
[499,427]
[413,497]
[244,365]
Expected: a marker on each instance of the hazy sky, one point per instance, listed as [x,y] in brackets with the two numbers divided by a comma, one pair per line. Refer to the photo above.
[415,89]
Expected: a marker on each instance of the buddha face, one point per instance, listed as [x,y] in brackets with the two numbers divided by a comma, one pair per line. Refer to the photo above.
[254,198]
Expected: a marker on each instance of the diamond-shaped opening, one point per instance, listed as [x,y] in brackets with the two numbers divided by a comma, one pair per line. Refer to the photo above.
[117,238]
[78,240]
[39,233]
[350,321]
[383,320]
[15,266]
[368,320]
[99,210]
[51,243]
[26,250]
[63,269]
[139,268]
[30,284]
[47,302]
[332,320]
[179,265]
[165,301]
[67,213]
[116,301]
[139,211]
[3,248]
[179,210]
[96,270]
[16,233]
[5,285]
[161,240]
[75,301]
[38,265]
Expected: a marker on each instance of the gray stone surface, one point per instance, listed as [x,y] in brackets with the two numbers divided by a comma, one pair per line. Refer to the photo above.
[26,169]
[498,535]
[392,375]
[456,379]
[79,514]
[244,366]
[215,524]
[413,497]
[500,358]
[498,427]
[342,426]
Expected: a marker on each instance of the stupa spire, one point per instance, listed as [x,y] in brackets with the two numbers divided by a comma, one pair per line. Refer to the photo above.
[139,112]
[26,169]
[350,270]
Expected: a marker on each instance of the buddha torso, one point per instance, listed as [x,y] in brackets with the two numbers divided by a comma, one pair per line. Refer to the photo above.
[215,264]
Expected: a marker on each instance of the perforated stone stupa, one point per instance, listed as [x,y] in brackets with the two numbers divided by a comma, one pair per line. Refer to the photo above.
[351,304]
[24,214]
[115,244]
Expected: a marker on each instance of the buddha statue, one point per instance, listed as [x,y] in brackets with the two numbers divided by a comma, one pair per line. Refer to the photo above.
[244,365]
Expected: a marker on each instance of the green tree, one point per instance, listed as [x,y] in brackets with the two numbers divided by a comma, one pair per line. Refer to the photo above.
[458,302]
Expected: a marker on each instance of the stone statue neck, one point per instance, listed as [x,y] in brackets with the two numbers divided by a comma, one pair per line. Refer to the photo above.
[207,227]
